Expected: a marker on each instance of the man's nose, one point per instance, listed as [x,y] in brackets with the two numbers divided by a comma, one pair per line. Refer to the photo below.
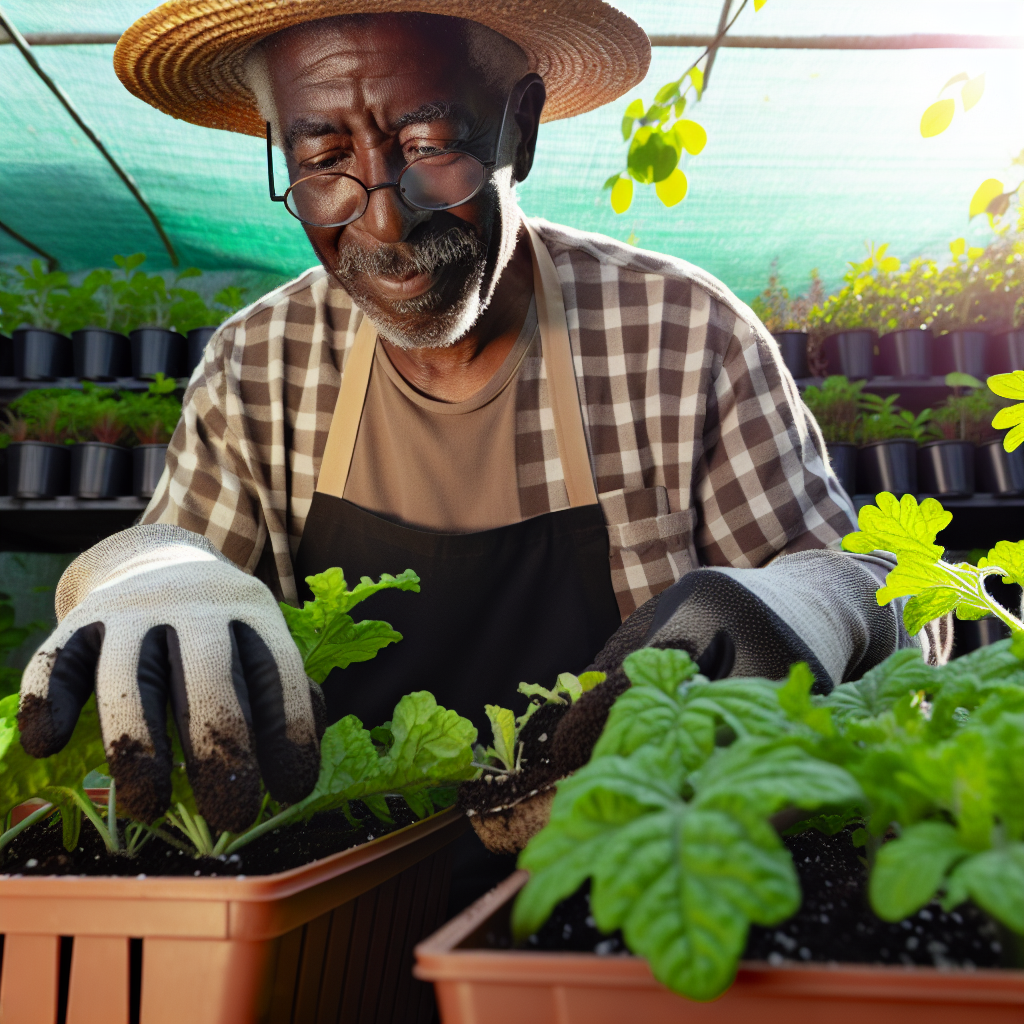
[387,219]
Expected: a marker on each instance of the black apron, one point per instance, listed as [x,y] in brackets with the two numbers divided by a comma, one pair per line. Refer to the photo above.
[517,603]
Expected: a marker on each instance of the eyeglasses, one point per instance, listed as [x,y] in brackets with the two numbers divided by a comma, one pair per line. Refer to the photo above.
[330,199]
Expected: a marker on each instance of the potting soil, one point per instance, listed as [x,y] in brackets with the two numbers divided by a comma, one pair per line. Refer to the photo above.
[40,850]
[834,923]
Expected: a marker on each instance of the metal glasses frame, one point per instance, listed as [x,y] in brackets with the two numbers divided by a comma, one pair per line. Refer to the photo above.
[487,165]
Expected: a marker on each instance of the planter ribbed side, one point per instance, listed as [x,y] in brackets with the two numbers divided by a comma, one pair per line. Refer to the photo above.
[1006,352]
[36,469]
[843,457]
[101,354]
[961,352]
[155,350]
[851,353]
[330,941]
[905,354]
[147,467]
[793,346]
[197,339]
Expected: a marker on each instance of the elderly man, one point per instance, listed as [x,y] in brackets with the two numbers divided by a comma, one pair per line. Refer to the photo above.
[564,436]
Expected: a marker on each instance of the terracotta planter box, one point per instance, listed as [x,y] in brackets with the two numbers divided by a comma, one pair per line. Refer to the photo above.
[329,941]
[477,983]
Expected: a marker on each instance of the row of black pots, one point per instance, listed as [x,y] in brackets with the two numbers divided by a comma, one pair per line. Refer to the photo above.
[953,469]
[862,354]
[95,353]
[93,470]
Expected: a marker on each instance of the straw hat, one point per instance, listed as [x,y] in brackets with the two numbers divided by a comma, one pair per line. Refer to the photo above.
[185,58]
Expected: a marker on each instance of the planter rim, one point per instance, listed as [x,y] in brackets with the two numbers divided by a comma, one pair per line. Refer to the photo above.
[240,889]
[157,330]
[39,330]
[437,959]
[98,330]
[43,444]
[888,440]
[945,441]
[844,444]
[100,444]
[162,444]
[853,330]
[916,331]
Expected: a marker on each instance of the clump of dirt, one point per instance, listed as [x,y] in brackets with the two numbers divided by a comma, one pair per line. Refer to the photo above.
[40,850]
[834,924]
[499,789]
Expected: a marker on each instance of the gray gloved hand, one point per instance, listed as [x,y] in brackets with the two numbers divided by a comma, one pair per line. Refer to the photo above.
[156,614]
[814,606]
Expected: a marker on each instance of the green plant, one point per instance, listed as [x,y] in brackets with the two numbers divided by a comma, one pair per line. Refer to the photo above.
[11,637]
[42,414]
[837,406]
[966,415]
[94,414]
[658,135]
[1011,386]
[883,420]
[506,749]
[672,817]
[151,415]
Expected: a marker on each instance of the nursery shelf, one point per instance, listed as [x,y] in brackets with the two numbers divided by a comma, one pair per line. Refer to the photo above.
[63,524]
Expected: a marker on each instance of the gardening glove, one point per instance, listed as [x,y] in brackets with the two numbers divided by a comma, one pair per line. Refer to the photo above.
[156,615]
[813,606]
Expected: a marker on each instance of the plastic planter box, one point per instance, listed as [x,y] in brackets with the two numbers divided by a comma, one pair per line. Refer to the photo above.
[329,941]
[477,983]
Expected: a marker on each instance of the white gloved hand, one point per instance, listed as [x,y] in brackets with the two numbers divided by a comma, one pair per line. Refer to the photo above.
[156,615]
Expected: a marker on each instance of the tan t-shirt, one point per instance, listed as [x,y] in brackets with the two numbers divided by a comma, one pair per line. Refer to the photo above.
[449,467]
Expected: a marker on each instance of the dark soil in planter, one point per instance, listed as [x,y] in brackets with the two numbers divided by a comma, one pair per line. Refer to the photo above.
[834,922]
[40,850]
[538,769]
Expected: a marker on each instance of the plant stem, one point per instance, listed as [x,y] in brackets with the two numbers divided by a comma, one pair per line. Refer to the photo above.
[284,818]
[167,838]
[89,810]
[112,816]
[222,841]
[15,830]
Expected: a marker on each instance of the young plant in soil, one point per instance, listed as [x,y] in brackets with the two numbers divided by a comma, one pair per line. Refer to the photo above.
[675,819]
[837,406]
[883,420]
[151,415]
[415,759]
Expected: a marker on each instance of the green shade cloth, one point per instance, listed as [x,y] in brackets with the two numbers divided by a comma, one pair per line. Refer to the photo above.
[810,153]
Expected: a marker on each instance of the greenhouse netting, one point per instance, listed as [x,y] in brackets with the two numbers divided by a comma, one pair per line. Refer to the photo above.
[810,153]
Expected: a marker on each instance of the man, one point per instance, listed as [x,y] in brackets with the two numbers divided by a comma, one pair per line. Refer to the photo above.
[553,429]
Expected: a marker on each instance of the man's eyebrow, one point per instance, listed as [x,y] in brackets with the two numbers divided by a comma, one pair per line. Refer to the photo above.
[437,111]
[308,128]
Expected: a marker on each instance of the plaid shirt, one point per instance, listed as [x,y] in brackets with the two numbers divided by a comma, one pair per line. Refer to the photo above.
[702,450]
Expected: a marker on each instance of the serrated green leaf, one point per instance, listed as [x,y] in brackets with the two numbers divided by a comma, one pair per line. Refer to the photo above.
[995,881]
[909,870]
[795,700]
[663,669]
[1009,557]
[932,604]
[878,690]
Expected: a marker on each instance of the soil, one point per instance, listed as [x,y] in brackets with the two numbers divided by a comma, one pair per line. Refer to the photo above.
[40,850]
[497,789]
[834,923]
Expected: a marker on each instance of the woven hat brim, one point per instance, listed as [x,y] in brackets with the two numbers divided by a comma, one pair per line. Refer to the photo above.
[186,56]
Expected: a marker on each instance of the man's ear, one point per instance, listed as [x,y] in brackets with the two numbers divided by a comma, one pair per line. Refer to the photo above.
[532,96]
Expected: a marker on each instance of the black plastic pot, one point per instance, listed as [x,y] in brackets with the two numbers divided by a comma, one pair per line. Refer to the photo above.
[793,346]
[843,457]
[41,355]
[997,471]
[3,472]
[888,466]
[971,634]
[147,467]
[155,350]
[101,354]
[960,352]
[100,470]
[946,468]
[851,353]
[6,356]
[905,354]
[1006,352]
[36,469]
[197,339]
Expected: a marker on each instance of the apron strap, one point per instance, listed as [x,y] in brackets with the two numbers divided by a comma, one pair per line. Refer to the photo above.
[556,350]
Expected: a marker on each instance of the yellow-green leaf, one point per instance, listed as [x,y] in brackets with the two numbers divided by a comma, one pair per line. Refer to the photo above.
[1009,557]
[692,136]
[503,730]
[673,189]
[697,77]
[937,118]
[667,93]
[988,190]
[758,4]
[975,253]
[973,91]
[622,195]
[1007,385]
[1010,385]
[956,379]
[957,247]
[889,264]
[632,112]
[962,77]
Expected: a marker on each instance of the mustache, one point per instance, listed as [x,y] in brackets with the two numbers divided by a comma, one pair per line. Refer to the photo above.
[453,247]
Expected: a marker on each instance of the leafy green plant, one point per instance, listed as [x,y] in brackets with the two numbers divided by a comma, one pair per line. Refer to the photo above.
[11,637]
[883,420]
[1011,386]
[659,135]
[94,414]
[151,415]
[506,749]
[671,819]
[837,406]
[42,414]
[966,415]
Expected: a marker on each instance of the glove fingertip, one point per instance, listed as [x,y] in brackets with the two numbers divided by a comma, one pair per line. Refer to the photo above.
[143,779]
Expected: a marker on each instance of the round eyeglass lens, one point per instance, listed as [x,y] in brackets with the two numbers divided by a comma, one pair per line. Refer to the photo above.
[441,182]
[326,200]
